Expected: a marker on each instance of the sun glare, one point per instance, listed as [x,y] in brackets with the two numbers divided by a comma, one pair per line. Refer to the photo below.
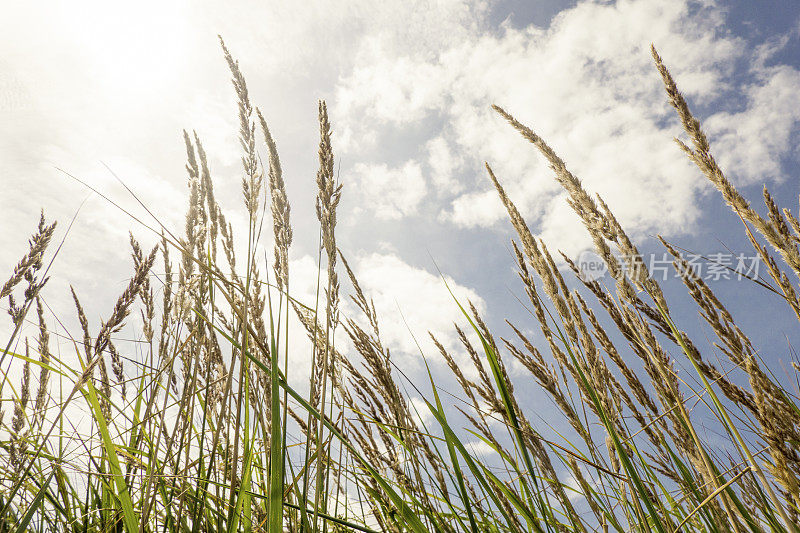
[131,47]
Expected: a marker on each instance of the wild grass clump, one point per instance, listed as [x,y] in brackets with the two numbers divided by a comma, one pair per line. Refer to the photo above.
[202,431]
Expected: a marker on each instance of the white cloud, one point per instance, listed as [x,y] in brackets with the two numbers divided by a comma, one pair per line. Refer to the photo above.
[481,449]
[420,411]
[389,193]
[475,209]
[400,103]
[752,142]
[588,86]
[410,302]
[444,163]
[573,486]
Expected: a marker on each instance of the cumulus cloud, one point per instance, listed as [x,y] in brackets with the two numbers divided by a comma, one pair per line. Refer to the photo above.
[752,142]
[587,85]
[389,193]
[472,209]
[412,301]
[444,162]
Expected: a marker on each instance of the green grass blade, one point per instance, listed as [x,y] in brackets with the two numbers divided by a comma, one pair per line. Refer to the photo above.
[462,489]
[276,451]
[22,526]
[122,494]
[405,511]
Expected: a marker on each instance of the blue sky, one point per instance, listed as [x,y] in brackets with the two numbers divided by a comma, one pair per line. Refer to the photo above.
[409,86]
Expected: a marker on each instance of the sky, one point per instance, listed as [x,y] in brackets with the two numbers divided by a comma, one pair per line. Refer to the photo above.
[97,89]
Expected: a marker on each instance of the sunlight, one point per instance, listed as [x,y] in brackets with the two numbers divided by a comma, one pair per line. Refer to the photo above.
[134,48]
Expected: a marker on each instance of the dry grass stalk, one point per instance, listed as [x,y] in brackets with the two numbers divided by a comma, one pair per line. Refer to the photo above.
[776,234]
[774,229]
[328,196]
[252,180]
[603,226]
[18,437]
[780,434]
[122,307]
[216,219]
[281,224]
[32,260]
[548,380]
[532,438]
[42,394]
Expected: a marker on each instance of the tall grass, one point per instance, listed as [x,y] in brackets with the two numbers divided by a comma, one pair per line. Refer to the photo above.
[205,433]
